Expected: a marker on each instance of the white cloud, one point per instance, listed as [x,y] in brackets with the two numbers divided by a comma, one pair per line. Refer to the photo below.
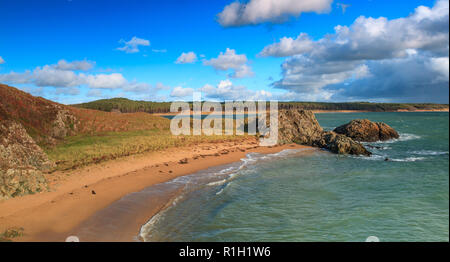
[261,11]
[231,60]
[181,92]
[417,78]
[369,44]
[187,58]
[288,46]
[74,65]
[16,78]
[132,46]
[375,38]
[105,81]
[440,65]
[50,76]
[1,60]
[226,90]
[62,76]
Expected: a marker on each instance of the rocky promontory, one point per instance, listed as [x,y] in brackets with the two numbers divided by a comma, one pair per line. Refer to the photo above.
[301,126]
[364,130]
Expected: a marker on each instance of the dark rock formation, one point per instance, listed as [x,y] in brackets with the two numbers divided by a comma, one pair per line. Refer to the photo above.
[301,126]
[341,144]
[364,130]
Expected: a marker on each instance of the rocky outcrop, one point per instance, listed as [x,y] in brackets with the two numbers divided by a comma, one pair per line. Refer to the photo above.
[364,130]
[65,124]
[21,162]
[301,126]
[341,144]
[19,182]
[18,150]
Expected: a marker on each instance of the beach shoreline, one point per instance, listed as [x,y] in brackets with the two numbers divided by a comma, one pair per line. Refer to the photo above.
[77,195]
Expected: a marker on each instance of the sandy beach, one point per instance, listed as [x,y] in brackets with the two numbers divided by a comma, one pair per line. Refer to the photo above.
[76,195]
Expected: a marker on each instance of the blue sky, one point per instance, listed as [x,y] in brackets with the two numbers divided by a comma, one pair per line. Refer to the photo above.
[76,51]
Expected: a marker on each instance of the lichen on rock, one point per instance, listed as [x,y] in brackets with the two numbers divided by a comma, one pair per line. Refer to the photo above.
[21,162]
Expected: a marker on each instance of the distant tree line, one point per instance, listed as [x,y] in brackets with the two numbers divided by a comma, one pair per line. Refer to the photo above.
[125,105]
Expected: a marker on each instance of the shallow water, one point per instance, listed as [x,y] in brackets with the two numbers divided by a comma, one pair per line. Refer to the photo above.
[322,196]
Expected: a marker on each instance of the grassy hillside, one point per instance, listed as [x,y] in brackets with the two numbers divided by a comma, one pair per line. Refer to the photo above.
[36,114]
[97,135]
[125,105]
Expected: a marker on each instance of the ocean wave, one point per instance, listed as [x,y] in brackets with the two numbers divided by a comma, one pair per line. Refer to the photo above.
[217,183]
[402,137]
[196,181]
[429,152]
[223,188]
[408,159]
[373,157]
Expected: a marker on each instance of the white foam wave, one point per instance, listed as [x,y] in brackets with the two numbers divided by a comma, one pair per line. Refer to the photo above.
[408,159]
[225,187]
[402,137]
[429,152]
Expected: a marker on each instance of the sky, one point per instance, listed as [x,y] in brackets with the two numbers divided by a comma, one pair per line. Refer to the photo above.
[74,51]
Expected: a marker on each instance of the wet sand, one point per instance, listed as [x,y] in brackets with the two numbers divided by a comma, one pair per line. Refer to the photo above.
[80,197]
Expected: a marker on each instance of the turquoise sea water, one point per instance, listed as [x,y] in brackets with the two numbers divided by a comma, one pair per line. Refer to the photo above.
[292,196]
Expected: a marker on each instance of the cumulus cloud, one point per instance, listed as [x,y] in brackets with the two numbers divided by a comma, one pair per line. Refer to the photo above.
[374,38]
[83,65]
[187,58]
[63,76]
[361,51]
[1,60]
[418,78]
[226,90]
[180,92]
[261,11]
[50,76]
[231,60]
[289,46]
[132,46]
[105,81]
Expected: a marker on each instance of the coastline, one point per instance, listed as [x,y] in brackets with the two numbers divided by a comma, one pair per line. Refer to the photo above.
[331,111]
[77,195]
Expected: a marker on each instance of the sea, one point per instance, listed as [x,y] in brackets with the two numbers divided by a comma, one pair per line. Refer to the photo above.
[313,195]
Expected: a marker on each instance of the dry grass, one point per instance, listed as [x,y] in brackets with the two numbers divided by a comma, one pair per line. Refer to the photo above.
[94,122]
[83,150]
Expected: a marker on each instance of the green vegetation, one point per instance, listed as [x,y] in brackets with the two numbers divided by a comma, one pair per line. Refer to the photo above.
[10,234]
[126,106]
[82,150]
